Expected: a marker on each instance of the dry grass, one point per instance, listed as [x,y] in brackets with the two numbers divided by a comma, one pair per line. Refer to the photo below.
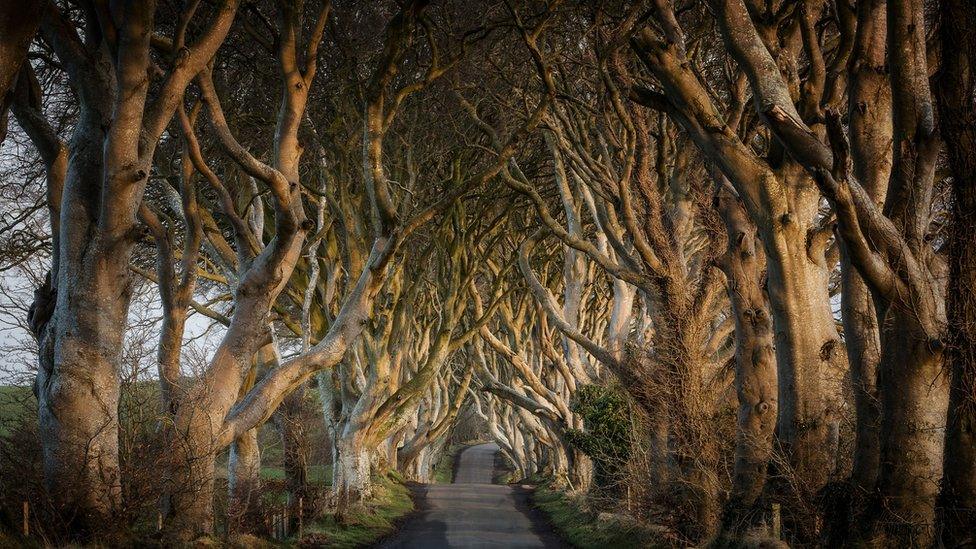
[586,529]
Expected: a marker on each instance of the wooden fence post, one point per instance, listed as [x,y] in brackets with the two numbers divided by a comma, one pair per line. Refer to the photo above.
[776,521]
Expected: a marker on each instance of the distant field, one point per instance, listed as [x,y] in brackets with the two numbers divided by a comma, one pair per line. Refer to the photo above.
[17,403]
[317,474]
[138,406]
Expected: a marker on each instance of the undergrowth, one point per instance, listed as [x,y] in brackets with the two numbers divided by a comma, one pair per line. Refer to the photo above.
[368,522]
[585,529]
[443,472]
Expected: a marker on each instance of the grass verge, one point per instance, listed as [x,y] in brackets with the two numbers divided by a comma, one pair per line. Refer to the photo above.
[585,529]
[443,472]
[368,522]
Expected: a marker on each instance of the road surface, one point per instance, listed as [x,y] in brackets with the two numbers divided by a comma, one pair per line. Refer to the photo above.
[472,512]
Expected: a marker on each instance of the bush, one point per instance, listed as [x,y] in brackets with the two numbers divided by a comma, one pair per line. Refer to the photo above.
[609,432]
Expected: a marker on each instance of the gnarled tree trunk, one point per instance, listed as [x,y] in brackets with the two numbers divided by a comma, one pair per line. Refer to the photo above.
[77,383]
[351,478]
[755,375]
[808,347]
[243,483]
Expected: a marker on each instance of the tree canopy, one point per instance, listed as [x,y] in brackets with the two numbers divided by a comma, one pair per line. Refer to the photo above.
[701,261]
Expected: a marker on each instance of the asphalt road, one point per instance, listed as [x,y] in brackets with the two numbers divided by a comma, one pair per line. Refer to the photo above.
[472,512]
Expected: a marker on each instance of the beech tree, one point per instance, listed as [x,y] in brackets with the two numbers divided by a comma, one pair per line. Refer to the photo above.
[911,347]
[109,161]
[693,262]
[784,205]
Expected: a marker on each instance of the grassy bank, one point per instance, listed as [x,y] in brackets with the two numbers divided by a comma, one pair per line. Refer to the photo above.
[368,522]
[586,529]
[443,472]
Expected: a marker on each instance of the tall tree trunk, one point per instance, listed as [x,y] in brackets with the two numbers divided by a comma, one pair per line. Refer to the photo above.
[243,483]
[191,488]
[329,395]
[784,204]
[847,500]
[755,374]
[580,472]
[869,108]
[351,477]
[77,383]
[695,453]
[197,431]
[692,448]
[957,112]
[870,135]
[168,358]
[912,383]
[913,389]
[864,352]
[244,457]
[807,343]
[78,397]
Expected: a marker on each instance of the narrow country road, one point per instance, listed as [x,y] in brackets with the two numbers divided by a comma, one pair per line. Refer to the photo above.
[472,512]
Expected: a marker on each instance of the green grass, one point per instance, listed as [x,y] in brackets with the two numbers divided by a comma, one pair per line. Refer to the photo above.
[584,529]
[317,474]
[138,405]
[444,468]
[17,404]
[505,474]
[369,521]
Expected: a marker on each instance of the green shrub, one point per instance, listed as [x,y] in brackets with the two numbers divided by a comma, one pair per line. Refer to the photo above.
[608,435]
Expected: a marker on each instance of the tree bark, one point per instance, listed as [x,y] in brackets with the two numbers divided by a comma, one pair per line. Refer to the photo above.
[755,375]
[243,483]
[870,131]
[957,120]
[18,25]
[351,478]
[783,203]
[807,344]
[869,108]
[290,421]
[111,151]
[191,492]
[77,383]
[913,389]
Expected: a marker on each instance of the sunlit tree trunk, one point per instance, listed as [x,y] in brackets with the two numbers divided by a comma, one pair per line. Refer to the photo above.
[352,481]
[755,374]
[783,203]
